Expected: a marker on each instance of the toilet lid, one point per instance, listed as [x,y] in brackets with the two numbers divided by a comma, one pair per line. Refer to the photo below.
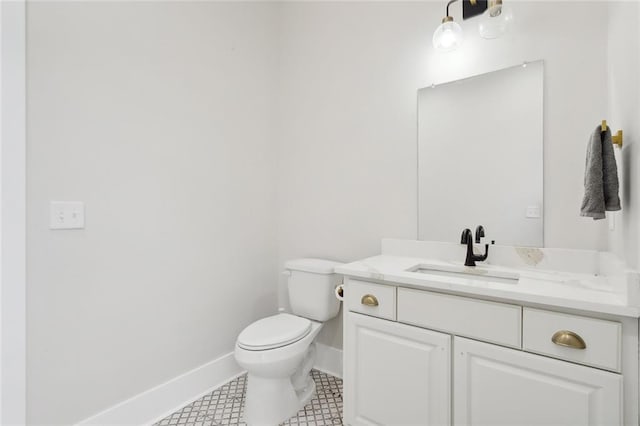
[274,332]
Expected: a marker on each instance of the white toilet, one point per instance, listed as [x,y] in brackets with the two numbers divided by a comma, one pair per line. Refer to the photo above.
[278,351]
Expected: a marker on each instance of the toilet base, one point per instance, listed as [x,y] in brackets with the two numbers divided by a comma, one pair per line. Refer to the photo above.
[307,394]
[269,402]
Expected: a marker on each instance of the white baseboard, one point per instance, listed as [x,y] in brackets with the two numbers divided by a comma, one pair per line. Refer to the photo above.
[158,402]
[329,360]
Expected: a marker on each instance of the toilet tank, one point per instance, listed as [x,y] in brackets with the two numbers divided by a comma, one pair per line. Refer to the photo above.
[311,285]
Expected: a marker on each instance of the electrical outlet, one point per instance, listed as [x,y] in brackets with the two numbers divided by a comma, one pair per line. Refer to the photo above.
[533,212]
[66,215]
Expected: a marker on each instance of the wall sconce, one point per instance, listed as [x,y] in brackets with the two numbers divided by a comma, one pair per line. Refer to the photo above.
[448,35]
[494,22]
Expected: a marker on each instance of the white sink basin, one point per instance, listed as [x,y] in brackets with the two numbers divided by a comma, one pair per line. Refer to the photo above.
[476,273]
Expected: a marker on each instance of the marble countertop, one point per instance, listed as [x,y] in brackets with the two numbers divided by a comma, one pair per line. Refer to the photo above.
[585,292]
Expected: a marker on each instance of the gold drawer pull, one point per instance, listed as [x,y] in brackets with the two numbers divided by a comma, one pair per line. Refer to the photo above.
[569,339]
[369,300]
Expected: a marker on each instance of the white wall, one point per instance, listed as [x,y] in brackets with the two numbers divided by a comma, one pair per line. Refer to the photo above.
[348,131]
[624,113]
[158,116]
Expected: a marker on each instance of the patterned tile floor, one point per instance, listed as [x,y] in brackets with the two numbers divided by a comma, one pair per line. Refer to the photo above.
[224,406]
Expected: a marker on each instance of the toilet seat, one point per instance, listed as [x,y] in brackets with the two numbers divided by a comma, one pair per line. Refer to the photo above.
[274,332]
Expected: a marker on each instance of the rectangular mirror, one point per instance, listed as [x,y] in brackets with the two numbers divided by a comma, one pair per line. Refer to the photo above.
[480,147]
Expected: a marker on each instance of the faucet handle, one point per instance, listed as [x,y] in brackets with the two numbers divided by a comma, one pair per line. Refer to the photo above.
[479,233]
[466,236]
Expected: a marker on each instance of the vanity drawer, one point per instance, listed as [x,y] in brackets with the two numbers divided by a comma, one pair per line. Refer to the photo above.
[603,339]
[478,319]
[371,299]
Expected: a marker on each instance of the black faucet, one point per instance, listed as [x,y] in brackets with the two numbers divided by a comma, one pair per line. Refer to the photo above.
[467,238]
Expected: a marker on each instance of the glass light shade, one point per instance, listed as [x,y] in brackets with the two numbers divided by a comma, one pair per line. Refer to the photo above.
[448,36]
[495,21]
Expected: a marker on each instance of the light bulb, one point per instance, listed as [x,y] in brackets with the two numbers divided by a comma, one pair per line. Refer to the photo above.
[495,21]
[448,36]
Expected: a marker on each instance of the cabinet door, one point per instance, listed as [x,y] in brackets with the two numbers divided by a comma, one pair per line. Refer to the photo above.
[395,374]
[499,386]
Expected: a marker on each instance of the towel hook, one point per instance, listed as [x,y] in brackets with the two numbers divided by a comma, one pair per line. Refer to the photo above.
[615,139]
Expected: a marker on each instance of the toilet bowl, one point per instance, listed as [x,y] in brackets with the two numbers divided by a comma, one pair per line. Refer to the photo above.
[278,352]
[278,379]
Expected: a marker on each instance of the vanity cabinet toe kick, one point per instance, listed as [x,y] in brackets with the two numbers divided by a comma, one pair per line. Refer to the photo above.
[495,362]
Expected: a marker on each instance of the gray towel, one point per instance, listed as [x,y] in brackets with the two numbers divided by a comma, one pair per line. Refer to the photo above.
[600,177]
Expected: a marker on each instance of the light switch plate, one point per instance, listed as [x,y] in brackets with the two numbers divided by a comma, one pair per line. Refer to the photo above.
[66,215]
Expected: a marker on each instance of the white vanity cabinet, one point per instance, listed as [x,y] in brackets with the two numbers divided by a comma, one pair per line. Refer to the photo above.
[396,374]
[501,386]
[417,357]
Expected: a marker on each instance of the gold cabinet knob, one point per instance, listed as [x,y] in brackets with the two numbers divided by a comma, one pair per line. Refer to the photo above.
[369,300]
[568,339]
